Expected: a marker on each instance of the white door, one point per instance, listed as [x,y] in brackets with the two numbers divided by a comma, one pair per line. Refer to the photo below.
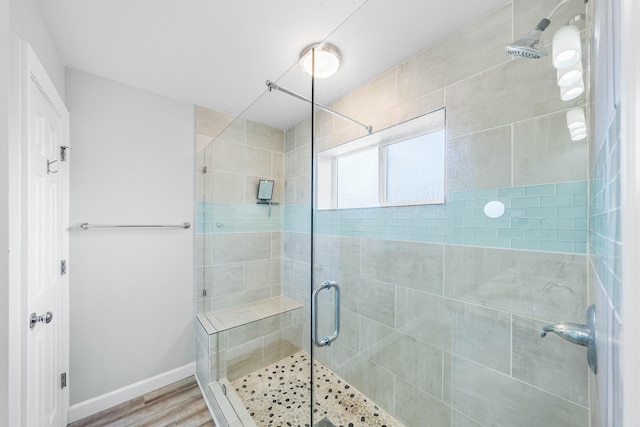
[46,226]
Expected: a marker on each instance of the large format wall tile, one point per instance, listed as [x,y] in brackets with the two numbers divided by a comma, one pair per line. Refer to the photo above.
[369,378]
[414,265]
[222,279]
[370,298]
[516,90]
[545,286]
[552,364]
[413,407]
[543,152]
[476,390]
[414,361]
[261,273]
[417,107]
[224,187]
[369,100]
[263,136]
[338,253]
[297,246]
[238,247]
[477,333]
[231,157]
[211,123]
[465,53]
[480,160]
[235,132]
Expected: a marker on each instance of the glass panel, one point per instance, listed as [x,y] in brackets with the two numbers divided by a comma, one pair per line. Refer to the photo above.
[441,306]
[357,179]
[415,169]
[253,257]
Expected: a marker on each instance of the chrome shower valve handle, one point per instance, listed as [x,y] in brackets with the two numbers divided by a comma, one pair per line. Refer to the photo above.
[584,335]
[573,332]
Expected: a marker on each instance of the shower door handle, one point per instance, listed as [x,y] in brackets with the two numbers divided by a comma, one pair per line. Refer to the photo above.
[326,341]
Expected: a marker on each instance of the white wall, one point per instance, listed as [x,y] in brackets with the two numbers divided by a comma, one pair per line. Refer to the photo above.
[4,214]
[19,19]
[131,291]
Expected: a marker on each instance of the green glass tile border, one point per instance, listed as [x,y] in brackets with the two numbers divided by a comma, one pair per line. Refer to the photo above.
[605,228]
[549,217]
[217,217]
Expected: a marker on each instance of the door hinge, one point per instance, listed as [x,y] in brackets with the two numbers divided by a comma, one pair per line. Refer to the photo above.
[204,292]
[63,380]
[224,389]
[63,153]
[63,267]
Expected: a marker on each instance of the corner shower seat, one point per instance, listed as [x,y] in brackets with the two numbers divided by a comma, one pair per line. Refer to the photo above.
[222,320]
[236,341]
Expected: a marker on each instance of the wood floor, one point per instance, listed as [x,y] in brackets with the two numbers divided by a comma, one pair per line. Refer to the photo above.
[178,404]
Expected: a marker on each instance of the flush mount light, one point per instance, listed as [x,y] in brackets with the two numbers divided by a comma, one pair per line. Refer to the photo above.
[577,124]
[567,50]
[571,75]
[567,93]
[327,59]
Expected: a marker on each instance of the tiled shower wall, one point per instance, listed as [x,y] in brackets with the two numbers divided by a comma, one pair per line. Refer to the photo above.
[238,243]
[605,239]
[441,307]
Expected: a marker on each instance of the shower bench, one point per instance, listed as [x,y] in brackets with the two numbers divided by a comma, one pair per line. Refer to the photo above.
[234,342]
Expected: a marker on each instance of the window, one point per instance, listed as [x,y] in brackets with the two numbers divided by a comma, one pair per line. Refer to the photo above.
[400,165]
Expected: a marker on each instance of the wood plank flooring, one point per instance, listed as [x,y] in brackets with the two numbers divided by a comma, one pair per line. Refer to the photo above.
[178,404]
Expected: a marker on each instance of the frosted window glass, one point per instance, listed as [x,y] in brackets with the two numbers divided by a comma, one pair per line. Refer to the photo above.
[415,169]
[357,179]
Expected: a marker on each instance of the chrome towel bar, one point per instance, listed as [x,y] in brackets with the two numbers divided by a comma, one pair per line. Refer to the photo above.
[87,226]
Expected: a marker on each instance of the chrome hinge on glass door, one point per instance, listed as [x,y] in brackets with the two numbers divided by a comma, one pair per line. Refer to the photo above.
[326,341]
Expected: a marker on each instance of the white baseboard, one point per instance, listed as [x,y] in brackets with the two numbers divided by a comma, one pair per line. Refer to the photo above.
[93,406]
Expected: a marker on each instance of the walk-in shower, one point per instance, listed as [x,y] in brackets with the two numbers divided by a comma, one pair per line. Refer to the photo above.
[412,309]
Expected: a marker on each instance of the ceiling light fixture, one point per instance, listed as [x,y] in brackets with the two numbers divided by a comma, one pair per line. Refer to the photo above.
[567,93]
[567,50]
[569,76]
[577,123]
[327,60]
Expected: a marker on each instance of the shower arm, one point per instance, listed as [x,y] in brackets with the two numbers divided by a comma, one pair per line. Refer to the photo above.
[544,22]
[272,86]
[558,6]
[555,9]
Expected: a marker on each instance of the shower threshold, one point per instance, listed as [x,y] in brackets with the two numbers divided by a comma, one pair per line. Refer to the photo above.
[278,395]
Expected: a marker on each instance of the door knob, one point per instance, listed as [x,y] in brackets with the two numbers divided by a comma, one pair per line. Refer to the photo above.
[45,318]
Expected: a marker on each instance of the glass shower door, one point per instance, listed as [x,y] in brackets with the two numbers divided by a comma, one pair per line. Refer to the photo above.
[426,224]
[442,300]
[253,267]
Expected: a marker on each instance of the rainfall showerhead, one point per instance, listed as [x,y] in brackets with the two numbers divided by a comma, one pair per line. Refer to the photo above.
[530,46]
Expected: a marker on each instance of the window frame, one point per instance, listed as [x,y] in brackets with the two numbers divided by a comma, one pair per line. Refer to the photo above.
[327,160]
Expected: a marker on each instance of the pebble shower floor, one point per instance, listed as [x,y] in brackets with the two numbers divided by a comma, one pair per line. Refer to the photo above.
[278,395]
